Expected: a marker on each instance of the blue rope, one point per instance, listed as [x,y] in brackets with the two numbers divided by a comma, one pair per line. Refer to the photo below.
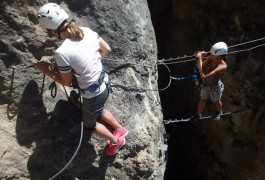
[184,77]
[194,76]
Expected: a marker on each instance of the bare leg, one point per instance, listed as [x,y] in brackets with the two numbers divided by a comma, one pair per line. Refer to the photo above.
[201,106]
[218,106]
[103,132]
[110,119]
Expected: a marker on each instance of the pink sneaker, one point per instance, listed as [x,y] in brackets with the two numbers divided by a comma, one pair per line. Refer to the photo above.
[120,133]
[114,147]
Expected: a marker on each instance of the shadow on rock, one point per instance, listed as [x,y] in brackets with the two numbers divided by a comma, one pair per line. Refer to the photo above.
[54,138]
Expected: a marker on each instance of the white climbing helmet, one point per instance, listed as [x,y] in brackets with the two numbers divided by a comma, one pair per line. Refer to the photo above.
[51,16]
[219,49]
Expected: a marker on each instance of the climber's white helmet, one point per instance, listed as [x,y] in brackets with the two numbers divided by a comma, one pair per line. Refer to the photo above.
[51,16]
[219,49]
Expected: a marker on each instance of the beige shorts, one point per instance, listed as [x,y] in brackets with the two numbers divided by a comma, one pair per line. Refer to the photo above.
[214,91]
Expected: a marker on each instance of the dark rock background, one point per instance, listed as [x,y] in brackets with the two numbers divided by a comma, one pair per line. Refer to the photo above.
[232,148]
[39,133]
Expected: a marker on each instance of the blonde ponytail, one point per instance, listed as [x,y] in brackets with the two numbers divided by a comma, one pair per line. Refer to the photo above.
[75,31]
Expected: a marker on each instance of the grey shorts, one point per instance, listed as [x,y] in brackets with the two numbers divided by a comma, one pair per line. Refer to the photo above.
[214,91]
[92,108]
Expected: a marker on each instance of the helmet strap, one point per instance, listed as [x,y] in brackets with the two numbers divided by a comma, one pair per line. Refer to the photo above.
[59,33]
[59,29]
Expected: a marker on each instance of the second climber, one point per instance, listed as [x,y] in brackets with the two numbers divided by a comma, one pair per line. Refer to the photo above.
[211,69]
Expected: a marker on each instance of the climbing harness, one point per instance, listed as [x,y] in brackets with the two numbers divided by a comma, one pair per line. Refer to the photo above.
[95,87]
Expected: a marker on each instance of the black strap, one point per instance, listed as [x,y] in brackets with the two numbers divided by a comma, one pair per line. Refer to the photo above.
[96,84]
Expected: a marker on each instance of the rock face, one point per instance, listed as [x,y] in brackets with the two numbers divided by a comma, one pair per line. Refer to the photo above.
[40,129]
[232,148]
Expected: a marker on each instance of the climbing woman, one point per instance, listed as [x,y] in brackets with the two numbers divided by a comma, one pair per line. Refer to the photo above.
[80,55]
[211,70]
